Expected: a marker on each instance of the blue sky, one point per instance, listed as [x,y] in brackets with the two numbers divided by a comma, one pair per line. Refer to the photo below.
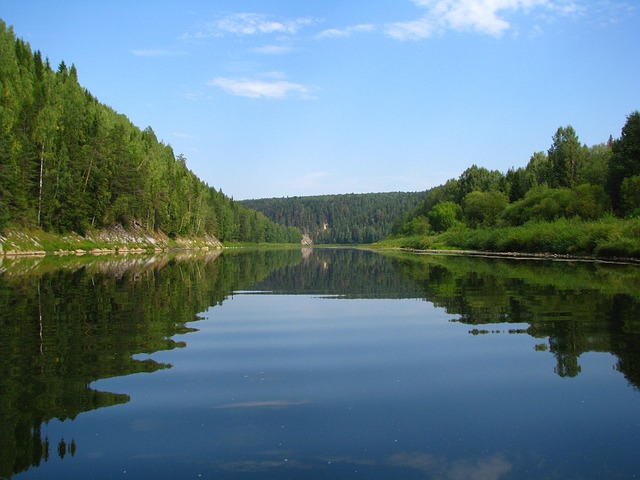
[271,98]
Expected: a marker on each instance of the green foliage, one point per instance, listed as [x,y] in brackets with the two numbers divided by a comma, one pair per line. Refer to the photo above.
[606,237]
[69,163]
[558,203]
[444,216]
[565,156]
[417,226]
[570,182]
[482,209]
[596,164]
[630,196]
[479,179]
[548,204]
[625,159]
[539,170]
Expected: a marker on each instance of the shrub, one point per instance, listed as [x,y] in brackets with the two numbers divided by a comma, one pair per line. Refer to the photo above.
[444,216]
[619,247]
[482,209]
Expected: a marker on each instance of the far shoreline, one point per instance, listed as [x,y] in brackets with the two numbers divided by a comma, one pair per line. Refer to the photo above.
[559,257]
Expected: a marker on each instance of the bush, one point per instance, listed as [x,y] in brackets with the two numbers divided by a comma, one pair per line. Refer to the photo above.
[482,209]
[588,202]
[444,216]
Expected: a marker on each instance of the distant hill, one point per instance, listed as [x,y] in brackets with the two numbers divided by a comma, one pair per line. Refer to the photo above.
[340,219]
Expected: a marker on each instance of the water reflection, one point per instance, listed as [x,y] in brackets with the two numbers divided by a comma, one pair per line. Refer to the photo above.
[577,307]
[407,464]
[65,324]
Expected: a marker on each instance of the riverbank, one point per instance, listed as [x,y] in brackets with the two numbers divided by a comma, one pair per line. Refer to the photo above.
[606,239]
[114,240]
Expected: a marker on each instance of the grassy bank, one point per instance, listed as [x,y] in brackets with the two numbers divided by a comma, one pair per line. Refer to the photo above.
[605,238]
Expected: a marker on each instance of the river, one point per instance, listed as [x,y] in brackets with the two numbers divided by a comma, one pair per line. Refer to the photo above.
[318,363]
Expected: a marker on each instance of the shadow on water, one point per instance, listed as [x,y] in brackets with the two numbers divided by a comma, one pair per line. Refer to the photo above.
[66,323]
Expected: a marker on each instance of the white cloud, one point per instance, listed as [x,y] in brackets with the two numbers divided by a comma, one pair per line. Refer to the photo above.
[158,53]
[482,16]
[250,24]
[413,30]
[256,88]
[346,32]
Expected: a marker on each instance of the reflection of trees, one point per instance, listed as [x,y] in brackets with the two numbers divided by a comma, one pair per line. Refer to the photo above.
[348,273]
[579,307]
[66,324]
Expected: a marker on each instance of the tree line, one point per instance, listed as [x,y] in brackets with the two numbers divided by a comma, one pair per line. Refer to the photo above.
[69,163]
[340,219]
[569,181]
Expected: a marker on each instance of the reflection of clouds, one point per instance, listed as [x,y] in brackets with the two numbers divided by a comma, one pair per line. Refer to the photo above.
[491,467]
[263,404]
[255,466]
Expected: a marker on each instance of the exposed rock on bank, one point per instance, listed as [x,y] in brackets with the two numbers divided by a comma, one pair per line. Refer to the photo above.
[112,240]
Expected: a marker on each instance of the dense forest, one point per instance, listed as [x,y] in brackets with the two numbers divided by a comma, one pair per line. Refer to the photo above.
[70,164]
[570,199]
[340,219]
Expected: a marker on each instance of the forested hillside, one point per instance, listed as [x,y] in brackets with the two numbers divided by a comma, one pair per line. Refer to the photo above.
[70,164]
[340,219]
[570,199]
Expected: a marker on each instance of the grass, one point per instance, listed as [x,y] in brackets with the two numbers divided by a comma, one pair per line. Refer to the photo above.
[608,237]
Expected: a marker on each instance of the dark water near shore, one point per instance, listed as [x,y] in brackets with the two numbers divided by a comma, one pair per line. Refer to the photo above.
[319,364]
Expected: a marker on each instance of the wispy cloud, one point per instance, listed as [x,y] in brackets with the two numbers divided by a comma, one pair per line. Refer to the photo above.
[273,49]
[157,53]
[346,32]
[243,24]
[259,88]
[481,16]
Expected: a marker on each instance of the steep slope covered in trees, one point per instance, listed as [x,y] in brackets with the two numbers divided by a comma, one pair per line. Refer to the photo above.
[340,219]
[69,163]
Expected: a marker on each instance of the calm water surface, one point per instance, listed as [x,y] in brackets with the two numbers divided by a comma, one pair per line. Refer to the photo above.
[319,364]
